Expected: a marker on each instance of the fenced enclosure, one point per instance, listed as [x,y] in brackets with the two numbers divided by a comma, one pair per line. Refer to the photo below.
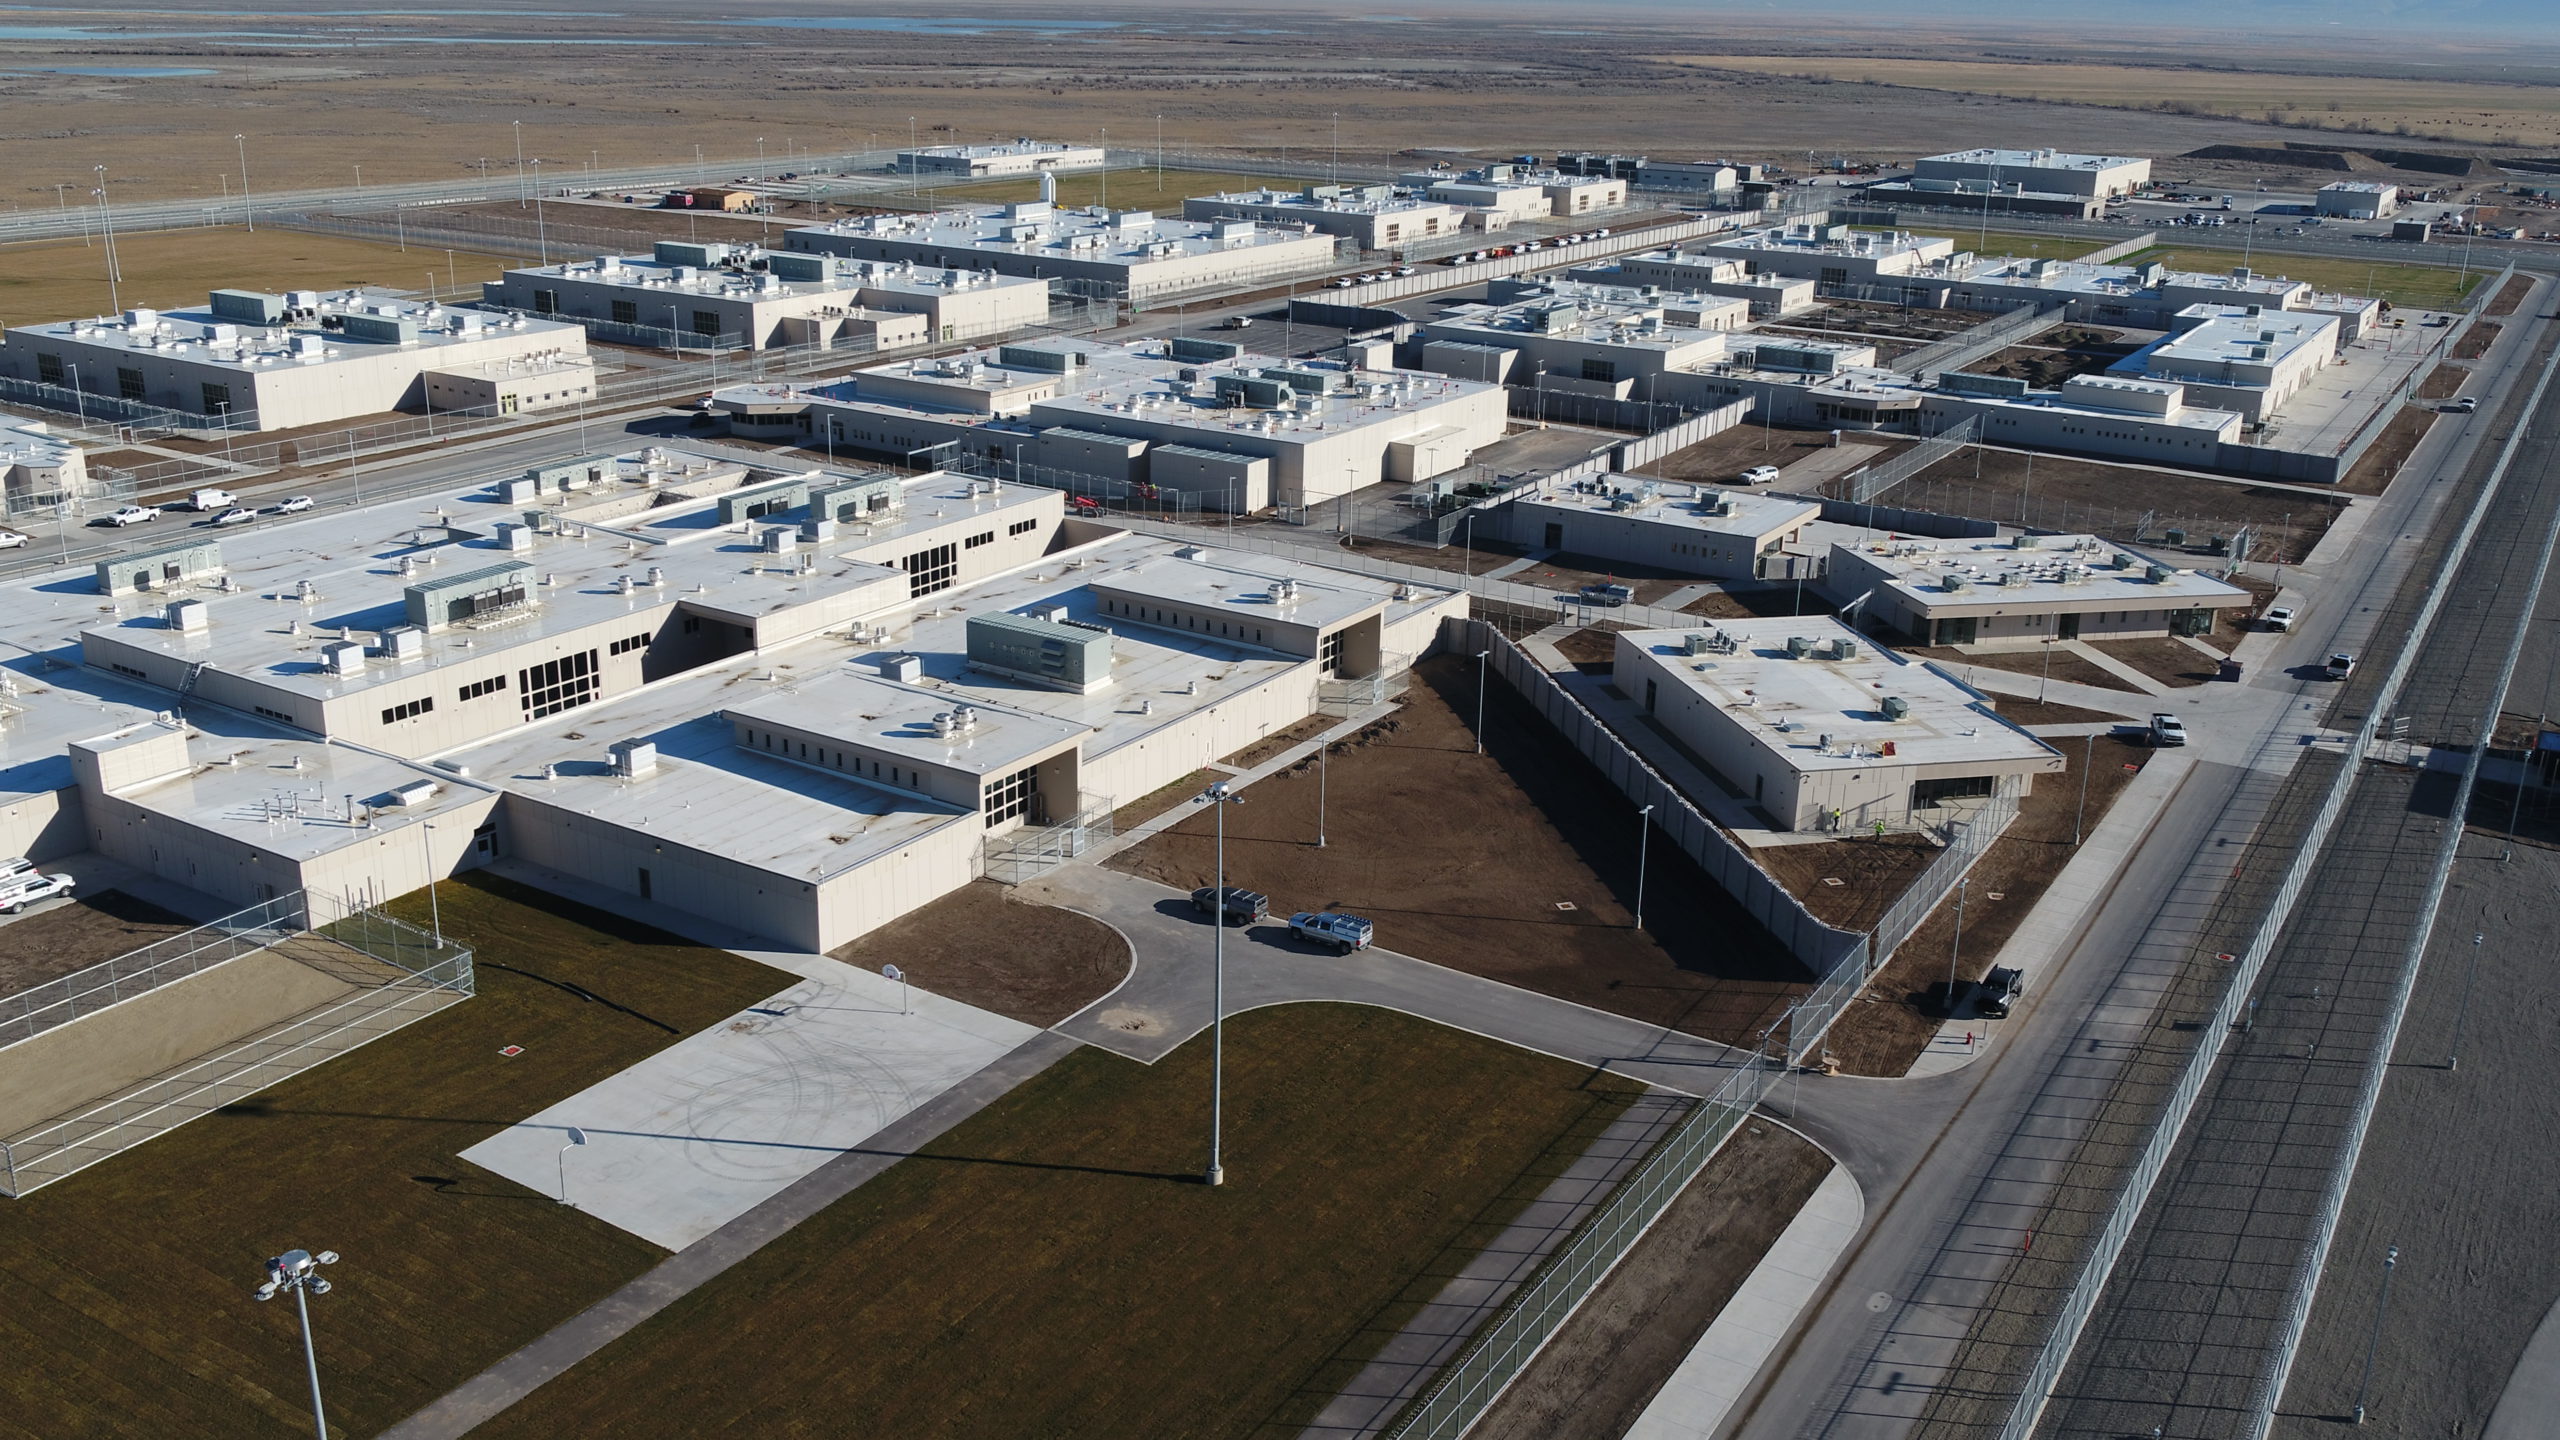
[389,974]
[1981,342]
[1033,851]
[1867,483]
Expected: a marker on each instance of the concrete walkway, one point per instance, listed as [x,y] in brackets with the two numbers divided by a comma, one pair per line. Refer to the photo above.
[2529,1408]
[714,1125]
[1487,1281]
[1693,1403]
[2115,667]
[2027,687]
[600,1324]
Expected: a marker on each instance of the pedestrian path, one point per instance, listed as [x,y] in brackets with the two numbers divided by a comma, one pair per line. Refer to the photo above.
[1693,1403]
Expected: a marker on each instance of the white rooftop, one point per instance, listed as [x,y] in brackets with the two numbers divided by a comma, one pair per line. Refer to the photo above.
[1737,513]
[2037,159]
[1000,149]
[1818,713]
[202,337]
[291,795]
[2225,334]
[893,718]
[2020,572]
[32,442]
[1205,578]
[1087,236]
[1332,200]
[734,275]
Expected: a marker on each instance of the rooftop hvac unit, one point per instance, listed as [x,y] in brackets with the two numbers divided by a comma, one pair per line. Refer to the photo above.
[1844,649]
[1896,708]
[1799,646]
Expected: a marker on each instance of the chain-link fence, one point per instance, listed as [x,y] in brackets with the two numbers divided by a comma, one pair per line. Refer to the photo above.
[1033,851]
[1868,482]
[31,1012]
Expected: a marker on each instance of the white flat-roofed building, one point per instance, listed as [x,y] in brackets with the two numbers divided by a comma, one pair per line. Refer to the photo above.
[1830,254]
[519,384]
[1322,427]
[1134,254]
[2356,200]
[758,298]
[1820,728]
[2050,172]
[1698,530]
[487,623]
[278,362]
[1515,192]
[38,467]
[2240,358]
[1771,297]
[2024,591]
[1587,340]
[1010,157]
[1373,217]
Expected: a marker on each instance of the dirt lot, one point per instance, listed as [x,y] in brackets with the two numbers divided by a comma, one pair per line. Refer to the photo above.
[2049,359]
[2381,463]
[2032,713]
[980,946]
[2508,298]
[89,930]
[2171,662]
[1593,649]
[1567,573]
[1886,1029]
[168,269]
[2076,669]
[2475,342]
[1765,602]
[1849,883]
[1722,457]
[2067,496]
[1463,860]
[1458,559]
[1597,1375]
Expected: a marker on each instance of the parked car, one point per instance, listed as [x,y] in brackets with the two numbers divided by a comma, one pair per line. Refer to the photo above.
[2463,406]
[12,540]
[19,892]
[2278,618]
[1760,475]
[236,515]
[1241,906]
[11,869]
[1609,595]
[2341,665]
[130,515]
[293,504]
[1342,934]
[2003,987]
[2168,731]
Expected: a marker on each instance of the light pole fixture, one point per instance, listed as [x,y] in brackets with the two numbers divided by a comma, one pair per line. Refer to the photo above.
[427,843]
[2462,1017]
[1480,673]
[906,1002]
[299,1272]
[1644,845]
[1324,761]
[518,127]
[2364,1387]
[541,233]
[1220,795]
[245,208]
[1955,946]
[577,1137]
[359,182]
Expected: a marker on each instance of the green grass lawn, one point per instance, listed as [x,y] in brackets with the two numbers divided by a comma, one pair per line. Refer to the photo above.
[1052,1268]
[1134,189]
[2424,287]
[130,1311]
[2003,242]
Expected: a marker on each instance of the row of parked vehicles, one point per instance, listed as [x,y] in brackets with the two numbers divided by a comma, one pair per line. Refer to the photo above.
[222,505]
[1324,929]
[22,885]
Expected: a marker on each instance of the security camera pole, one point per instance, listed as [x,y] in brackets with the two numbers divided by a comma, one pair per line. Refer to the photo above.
[299,1272]
[1221,797]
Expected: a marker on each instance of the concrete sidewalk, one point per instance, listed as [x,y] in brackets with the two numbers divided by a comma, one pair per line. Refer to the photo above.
[1693,1403]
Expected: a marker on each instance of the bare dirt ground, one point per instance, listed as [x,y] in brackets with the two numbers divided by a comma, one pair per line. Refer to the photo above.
[2063,665]
[1464,860]
[1849,883]
[1593,649]
[1597,1375]
[2380,464]
[1457,559]
[1886,1029]
[2475,342]
[2443,382]
[979,945]
[2511,296]
[89,930]
[1156,802]
[2055,493]
[1746,602]
[2171,662]
[1277,741]
[2048,712]
[1722,457]
[1566,573]
[2047,360]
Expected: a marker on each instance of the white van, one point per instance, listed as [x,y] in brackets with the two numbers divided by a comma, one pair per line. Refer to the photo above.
[20,891]
[211,500]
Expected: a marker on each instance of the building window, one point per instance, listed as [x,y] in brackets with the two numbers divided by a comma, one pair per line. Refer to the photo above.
[629,643]
[562,684]
[217,399]
[129,383]
[988,538]
[412,709]
[931,570]
[626,312]
[1329,654]
[478,688]
[1012,795]
[1604,371]
[546,302]
[706,322]
[49,369]
[1022,527]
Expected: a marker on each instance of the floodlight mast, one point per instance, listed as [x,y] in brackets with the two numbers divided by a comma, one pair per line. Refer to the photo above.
[299,1272]
[1218,796]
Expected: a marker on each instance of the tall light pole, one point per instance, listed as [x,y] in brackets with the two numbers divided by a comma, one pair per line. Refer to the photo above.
[427,843]
[299,1272]
[359,184]
[518,126]
[1480,659]
[1955,947]
[915,185]
[541,232]
[2364,1387]
[577,1137]
[106,218]
[2462,1017]
[245,208]
[1220,796]
[2088,758]
[1644,845]
[1335,173]
[1159,154]
[1324,758]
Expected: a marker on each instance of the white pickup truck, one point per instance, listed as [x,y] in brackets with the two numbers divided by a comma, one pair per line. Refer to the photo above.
[26,887]
[1340,933]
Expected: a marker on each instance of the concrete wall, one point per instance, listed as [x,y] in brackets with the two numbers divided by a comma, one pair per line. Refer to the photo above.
[46,823]
[1188,742]
[70,1066]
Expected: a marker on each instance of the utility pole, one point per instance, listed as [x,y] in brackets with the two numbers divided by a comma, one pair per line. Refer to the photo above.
[2462,1017]
[1644,846]
[1956,947]
[243,142]
[1480,673]
[2364,1387]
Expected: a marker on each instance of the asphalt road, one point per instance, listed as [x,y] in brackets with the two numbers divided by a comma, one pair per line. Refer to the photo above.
[2184,1338]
